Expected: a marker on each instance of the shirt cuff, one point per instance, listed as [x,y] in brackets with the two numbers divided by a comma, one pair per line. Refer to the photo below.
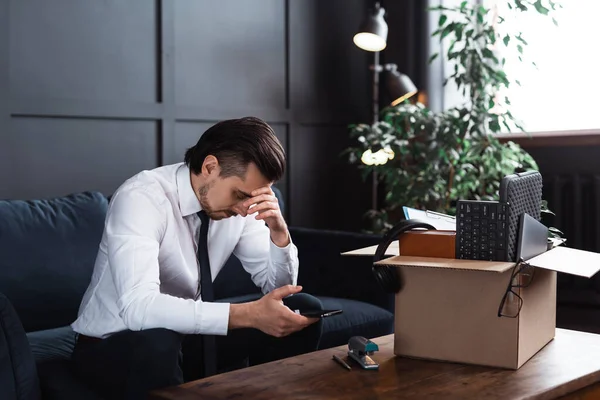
[282,255]
[212,318]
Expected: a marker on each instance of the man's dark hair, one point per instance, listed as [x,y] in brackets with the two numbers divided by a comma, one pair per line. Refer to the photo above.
[237,143]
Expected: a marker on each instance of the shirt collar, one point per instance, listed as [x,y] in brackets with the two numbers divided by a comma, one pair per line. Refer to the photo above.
[188,202]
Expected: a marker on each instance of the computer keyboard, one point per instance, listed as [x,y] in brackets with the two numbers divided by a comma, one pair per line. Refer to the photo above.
[481,230]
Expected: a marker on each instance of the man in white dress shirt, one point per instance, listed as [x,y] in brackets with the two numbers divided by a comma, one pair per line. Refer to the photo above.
[147,298]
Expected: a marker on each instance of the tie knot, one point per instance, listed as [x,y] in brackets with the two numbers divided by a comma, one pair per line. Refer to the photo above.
[203,217]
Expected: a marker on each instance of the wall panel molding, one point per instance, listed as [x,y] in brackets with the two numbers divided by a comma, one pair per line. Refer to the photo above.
[85,109]
[5,151]
[166,78]
[289,62]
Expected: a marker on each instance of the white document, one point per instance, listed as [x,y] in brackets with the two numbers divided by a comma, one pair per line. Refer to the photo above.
[441,222]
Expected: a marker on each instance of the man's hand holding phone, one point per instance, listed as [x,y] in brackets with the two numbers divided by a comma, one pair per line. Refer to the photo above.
[271,316]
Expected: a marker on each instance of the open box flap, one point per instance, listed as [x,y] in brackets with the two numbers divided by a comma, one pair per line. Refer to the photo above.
[447,263]
[569,261]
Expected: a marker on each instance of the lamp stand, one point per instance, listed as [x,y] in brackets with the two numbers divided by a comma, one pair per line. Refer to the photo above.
[376,67]
[376,70]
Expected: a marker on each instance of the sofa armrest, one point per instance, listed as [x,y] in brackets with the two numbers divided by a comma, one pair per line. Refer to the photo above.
[18,373]
[325,272]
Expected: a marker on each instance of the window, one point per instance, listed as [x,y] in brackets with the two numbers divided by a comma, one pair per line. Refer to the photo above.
[563,92]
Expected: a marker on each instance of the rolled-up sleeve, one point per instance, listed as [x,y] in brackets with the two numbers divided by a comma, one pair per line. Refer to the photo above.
[270,266]
[136,222]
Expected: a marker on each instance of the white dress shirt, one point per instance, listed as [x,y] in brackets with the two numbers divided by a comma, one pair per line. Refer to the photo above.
[146,271]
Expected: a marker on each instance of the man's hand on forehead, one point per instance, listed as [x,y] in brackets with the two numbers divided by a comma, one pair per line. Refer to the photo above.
[265,203]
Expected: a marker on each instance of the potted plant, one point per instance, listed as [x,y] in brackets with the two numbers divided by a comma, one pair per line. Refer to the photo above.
[439,157]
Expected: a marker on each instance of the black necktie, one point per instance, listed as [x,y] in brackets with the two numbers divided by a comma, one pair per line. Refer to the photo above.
[206,290]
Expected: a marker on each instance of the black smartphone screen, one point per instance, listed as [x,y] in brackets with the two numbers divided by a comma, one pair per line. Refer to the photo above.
[320,313]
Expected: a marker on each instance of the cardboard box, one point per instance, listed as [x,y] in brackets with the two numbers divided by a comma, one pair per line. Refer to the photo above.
[447,309]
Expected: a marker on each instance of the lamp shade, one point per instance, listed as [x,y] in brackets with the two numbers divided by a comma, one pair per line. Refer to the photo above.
[399,86]
[372,33]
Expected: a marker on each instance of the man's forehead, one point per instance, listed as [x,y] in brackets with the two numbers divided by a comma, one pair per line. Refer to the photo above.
[253,180]
[247,190]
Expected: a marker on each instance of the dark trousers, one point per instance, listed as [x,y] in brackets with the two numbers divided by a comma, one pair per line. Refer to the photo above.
[128,364]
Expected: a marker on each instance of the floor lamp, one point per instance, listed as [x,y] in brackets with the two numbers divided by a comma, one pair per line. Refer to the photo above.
[372,36]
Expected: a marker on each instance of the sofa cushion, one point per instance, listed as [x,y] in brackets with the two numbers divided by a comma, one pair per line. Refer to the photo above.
[325,272]
[52,344]
[48,249]
[358,319]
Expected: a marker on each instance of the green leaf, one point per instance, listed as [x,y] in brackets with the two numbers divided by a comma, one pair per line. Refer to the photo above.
[442,20]
[449,28]
[494,126]
[520,39]
[507,101]
[459,32]
[501,76]
[554,21]
[451,47]
[520,48]
[520,5]
[487,53]
[433,57]
[540,8]
[520,127]
[463,5]
[506,40]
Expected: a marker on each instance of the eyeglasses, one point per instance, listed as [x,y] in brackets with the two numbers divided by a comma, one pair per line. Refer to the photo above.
[521,277]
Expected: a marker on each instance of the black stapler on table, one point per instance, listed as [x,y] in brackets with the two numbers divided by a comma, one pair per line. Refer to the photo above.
[359,349]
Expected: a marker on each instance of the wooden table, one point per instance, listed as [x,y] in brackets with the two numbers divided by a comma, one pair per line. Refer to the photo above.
[568,366]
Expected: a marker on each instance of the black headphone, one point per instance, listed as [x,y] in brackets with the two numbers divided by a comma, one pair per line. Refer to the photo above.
[388,277]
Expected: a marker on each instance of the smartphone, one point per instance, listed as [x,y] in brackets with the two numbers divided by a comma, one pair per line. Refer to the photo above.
[318,313]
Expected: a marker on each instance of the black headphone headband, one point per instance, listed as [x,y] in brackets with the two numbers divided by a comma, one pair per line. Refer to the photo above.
[388,277]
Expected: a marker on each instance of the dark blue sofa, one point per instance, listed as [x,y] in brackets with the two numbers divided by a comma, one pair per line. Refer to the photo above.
[47,253]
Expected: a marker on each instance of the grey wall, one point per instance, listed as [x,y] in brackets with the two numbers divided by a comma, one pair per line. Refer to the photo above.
[91,92]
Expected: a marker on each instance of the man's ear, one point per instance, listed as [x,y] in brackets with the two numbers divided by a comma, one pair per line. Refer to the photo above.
[210,166]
